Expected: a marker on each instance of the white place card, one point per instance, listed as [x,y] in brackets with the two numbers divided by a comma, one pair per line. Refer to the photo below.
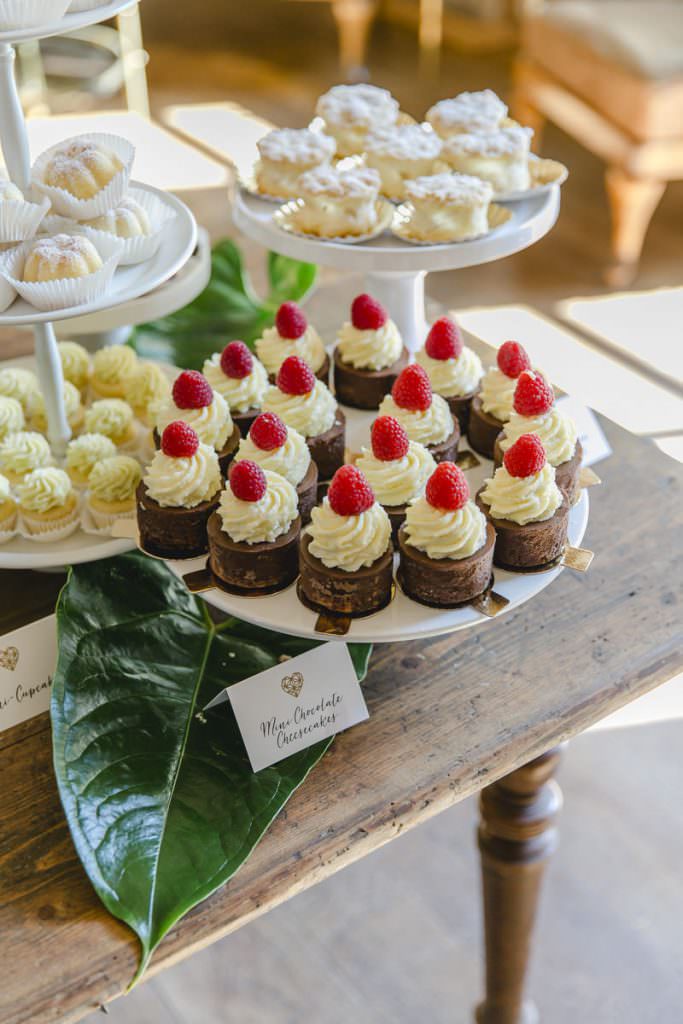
[591,435]
[28,657]
[295,704]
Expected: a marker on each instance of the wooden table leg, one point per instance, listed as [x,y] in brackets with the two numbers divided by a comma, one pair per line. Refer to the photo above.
[517,835]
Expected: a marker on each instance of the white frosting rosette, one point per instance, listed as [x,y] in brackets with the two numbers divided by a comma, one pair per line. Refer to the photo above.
[12,418]
[21,14]
[23,452]
[262,521]
[241,393]
[183,482]
[397,481]
[21,218]
[442,533]
[42,491]
[370,349]
[348,542]
[211,423]
[452,377]
[111,491]
[69,291]
[311,414]
[556,431]
[7,522]
[291,460]
[522,499]
[428,426]
[16,382]
[66,204]
[272,349]
[497,393]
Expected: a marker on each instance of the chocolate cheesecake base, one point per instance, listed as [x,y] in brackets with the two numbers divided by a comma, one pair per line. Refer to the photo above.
[253,568]
[566,474]
[460,407]
[327,450]
[397,515]
[531,546]
[225,455]
[482,429]
[173,532]
[445,582]
[365,389]
[307,493]
[322,374]
[244,420]
[347,593]
[447,450]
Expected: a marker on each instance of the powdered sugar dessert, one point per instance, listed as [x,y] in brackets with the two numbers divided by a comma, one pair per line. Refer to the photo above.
[469,112]
[338,203]
[59,257]
[424,416]
[274,446]
[350,111]
[241,379]
[500,157]
[492,407]
[292,335]
[285,154]
[194,401]
[454,370]
[400,153]
[82,168]
[368,356]
[447,207]
[128,219]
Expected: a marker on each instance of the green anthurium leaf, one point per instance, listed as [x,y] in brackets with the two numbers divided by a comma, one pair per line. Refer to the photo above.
[162,804]
[289,279]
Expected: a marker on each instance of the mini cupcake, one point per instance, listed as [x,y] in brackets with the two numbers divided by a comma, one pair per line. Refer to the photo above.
[368,356]
[306,404]
[112,369]
[114,418]
[400,153]
[48,504]
[86,175]
[285,154]
[281,449]
[23,452]
[535,412]
[424,416]
[492,407]
[72,407]
[178,493]
[500,157]
[84,453]
[454,370]
[446,546]
[397,469]
[526,508]
[75,364]
[194,401]
[241,379]
[292,335]
[8,510]
[254,533]
[12,418]
[469,112]
[146,389]
[349,112]
[346,554]
[18,383]
[112,486]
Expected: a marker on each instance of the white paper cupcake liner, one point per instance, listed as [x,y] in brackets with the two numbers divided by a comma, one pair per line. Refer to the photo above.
[74,291]
[51,534]
[7,294]
[20,220]
[134,250]
[107,198]
[21,14]
[100,524]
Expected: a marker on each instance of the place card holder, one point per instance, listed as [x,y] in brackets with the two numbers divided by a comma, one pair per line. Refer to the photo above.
[588,477]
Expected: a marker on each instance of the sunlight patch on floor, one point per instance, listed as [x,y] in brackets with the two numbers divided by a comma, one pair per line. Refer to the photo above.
[665,704]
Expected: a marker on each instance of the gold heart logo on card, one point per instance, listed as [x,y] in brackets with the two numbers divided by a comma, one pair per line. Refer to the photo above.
[9,658]
[293,684]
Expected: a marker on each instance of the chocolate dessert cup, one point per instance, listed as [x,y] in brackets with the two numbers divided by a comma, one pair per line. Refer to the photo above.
[345,593]
[397,515]
[327,450]
[173,532]
[365,389]
[566,474]
[227,452]
[445,582]
[446,451]
[531,546]
[244,420]
[253,569]
[307,493]
[460,407]
[322,374]
[482,429]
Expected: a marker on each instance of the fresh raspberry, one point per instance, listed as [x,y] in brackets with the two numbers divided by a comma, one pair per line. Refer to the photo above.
[295,377]
[525,457]
[179,440]
[192,390]
[350,493]
[290,321]
[268,432]
[447,487]
[444,340]
[247,480]
[533,395]
[367,314]
[512,359]
[412,389]
[389,439]
[236,360]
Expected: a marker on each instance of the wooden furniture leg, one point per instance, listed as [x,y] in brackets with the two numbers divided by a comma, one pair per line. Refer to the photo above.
[354,20]
[517,835]
[632,202]
[523,111]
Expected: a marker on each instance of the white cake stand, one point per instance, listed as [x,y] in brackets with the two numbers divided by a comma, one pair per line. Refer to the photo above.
[395,270]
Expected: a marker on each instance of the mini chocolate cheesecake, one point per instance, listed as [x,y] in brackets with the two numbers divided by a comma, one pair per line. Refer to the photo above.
[252,569]
[327,450]
[460,407]
[446,451]
[444,582]
[531,546]
[322,373]
[307,493]
[346,593]
[482,428]
[566,474]
[173,532]
[365,389]
[227,452]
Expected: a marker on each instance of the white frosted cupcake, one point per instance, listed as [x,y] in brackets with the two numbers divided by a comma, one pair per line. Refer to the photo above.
[114,418]
[400,153]
[84,453]
[146,389]
[12,418]
[292,335]
[8,510]
[112,368]
[448,207]
[16,382]
[111,490]
[75,363]
[48,504]
[469,112]
[241,379]
[500,157]
[349,112]
[285,154]
[23,452]
[72,407]
[338,203]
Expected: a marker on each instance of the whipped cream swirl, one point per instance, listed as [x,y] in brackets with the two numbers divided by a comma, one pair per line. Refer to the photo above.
[183,482]
[11,416]
[441,533]
[75,363]
[241,393]
[370,350]
[24,451]
[44,489]
[291,460]
[115,479]
[147,388]
[114,364]
[272,349]
[262,521]
[110,416]
[397,481]
[450,377]
[428,426]
[211,423]
[497,393]
[348,542]
[15,382]
[311,414]
[84,452]
[522,499]
[556,431]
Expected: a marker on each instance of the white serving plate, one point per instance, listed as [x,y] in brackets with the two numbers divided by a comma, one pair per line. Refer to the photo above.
[69,23]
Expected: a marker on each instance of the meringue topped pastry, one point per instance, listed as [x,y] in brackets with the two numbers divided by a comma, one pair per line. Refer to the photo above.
[448,207]
[350,111]
[399,153]
[127,220]
[285,154]
[82,168]
[59,257]
[500,157]
[337,203]
[292,335]
[469,112]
